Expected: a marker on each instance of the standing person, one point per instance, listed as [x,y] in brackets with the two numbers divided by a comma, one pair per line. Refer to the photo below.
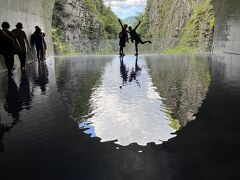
[123,35]
[44,46]
[22,39]
[38,41]
[7,48]
[136,37]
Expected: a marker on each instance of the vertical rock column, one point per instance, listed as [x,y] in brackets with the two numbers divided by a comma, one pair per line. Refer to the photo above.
[30,13]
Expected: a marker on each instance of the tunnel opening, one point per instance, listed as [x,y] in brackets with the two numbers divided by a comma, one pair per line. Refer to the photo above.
[226,36]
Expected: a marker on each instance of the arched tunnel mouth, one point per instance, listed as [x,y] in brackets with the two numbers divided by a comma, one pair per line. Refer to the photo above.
[227,15]
[151,116]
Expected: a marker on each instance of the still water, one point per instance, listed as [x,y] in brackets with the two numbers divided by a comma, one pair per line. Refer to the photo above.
[101,117]
[134,100]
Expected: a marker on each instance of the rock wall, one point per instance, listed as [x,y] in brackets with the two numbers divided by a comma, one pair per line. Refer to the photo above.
[179,24]
[77,24]
[30,13]
[82,24]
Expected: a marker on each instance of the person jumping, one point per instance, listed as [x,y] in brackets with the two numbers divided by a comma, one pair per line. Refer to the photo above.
[136,37]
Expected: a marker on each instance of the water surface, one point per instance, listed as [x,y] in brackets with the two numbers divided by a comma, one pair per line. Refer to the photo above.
[53,124]
[134,99]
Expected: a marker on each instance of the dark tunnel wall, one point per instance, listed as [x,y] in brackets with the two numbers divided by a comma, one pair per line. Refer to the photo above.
[39,12]
[30,13]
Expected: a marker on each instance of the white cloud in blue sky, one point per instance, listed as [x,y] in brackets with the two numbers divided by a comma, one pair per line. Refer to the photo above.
[126,8]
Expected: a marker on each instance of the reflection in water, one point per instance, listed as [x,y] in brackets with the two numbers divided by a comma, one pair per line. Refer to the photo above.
[17,99]
[76,78]
[133,74]
[130,114]
[41,79]
[182,83]
[155,97]
[124,72]
[48,141]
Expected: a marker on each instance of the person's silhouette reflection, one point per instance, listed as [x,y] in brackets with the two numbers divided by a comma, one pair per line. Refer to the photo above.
[17,99]
[135,72]
[25,92]
[12,105]
[42,78]
[124,72]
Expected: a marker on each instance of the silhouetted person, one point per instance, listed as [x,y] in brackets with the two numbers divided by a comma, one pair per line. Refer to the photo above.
[123,38]
[136,37]
[124,72]
[22,39]
[44,46]
[37,39]
[7,48]
[42,78]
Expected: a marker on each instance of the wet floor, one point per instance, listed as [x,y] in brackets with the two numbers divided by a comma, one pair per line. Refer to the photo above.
[155,117]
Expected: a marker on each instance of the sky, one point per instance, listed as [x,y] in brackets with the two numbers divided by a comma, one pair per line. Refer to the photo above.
[126,8]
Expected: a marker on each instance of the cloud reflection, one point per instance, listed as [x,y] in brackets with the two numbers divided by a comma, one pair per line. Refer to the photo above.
[132,114]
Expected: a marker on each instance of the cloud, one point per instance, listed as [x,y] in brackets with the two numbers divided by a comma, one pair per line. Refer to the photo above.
[126,2]
[125,8]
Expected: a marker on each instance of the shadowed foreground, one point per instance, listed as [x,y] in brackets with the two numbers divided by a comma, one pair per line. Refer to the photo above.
[40,140]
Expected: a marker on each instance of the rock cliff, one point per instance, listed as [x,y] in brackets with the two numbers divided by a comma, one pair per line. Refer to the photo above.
[179,25]
[80,25]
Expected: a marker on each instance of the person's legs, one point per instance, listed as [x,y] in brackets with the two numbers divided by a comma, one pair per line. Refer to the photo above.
[136,47]
[121,50]
[9,62]
[41,53]
[22,58]
[6,61]
[44,53]
[38,53]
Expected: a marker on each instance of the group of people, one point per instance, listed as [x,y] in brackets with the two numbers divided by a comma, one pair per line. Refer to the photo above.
[134,36]
[16,42]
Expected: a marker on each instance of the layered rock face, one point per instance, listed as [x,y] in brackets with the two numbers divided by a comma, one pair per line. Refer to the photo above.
[77,24]
[180,24]
[82,24]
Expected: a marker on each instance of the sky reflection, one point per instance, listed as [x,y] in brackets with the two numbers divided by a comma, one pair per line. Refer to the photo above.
[131,114]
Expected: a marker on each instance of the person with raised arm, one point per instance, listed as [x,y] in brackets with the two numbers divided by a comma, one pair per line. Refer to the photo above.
[123,38]
[134,36]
